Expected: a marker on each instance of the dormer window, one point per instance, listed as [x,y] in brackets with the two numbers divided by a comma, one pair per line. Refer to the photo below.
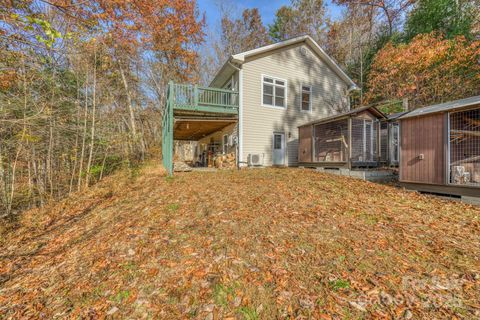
[274,92]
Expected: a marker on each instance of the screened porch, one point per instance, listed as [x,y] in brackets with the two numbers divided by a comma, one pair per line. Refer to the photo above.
[359,138]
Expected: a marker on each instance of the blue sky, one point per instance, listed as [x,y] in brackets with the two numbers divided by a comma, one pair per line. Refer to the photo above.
[267,9]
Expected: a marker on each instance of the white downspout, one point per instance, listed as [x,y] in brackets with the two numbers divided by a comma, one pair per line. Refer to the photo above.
[240,113]
[240,117]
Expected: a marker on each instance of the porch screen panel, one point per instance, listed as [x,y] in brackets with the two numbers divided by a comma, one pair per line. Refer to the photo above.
[383,141]
[394,143]
[464,142]
[364,140]
[331,141]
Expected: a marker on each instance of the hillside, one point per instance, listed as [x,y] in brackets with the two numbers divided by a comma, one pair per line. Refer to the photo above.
[252,244]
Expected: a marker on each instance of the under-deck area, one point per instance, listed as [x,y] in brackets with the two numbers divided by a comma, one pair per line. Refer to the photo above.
[205,115]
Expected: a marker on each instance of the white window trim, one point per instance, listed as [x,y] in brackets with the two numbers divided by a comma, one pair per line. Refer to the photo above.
[301,98]
[286,92]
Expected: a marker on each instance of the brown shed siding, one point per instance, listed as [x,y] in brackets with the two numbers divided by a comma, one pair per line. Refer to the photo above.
[423,135]
[305,144]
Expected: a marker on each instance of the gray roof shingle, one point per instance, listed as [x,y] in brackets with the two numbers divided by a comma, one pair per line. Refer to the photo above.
[443,107]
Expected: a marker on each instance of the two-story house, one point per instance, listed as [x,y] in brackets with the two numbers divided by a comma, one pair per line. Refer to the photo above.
[264,95]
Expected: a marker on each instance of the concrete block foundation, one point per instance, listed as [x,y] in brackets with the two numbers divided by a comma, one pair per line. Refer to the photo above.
[368,175]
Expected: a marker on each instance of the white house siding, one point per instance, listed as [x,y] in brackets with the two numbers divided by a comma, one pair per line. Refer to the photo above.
[297,68]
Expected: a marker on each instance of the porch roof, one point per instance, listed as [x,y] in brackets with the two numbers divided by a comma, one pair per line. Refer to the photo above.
[347,114]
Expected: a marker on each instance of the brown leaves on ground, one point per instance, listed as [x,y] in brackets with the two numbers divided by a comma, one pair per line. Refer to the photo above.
[251,244]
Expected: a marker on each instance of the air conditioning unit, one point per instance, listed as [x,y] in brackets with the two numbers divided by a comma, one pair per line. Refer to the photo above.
[255,159]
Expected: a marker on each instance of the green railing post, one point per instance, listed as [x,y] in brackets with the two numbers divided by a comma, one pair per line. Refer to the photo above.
[195,96]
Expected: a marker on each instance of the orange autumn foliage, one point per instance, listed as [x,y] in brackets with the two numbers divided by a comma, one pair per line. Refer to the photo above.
[427,70]
[171,29]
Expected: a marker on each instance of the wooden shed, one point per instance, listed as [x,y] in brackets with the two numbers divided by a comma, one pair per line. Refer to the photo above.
[357,138]
[440,148]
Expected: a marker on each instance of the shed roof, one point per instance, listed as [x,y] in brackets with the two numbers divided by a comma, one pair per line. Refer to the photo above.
[339,116]
[443,107]
[396,115]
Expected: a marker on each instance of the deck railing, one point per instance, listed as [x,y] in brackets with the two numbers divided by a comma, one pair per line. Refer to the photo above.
[205,99]
[192,98]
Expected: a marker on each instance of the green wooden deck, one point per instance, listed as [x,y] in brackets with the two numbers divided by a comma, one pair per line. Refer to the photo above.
[192,98]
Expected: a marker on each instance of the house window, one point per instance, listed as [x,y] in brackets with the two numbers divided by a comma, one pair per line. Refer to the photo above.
[225,144]
[306,98]
[274,92]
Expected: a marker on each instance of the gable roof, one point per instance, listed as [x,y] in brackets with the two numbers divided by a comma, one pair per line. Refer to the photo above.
[241,57]
[442,107]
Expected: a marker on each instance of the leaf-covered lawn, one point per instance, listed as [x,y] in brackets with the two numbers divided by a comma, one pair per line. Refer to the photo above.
[251,244]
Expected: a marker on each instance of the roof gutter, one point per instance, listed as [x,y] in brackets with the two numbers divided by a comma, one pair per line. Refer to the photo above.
[221,70]
[232,65]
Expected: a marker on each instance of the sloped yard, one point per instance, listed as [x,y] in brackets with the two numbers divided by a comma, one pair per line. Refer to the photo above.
[254,244]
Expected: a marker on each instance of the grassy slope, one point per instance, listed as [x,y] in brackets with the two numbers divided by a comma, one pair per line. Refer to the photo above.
[252,244]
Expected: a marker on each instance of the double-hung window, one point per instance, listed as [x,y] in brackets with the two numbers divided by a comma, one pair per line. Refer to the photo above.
[274,92]
[306,98]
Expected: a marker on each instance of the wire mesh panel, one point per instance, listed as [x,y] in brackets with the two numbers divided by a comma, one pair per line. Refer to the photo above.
[331,141]
[464,146]
[364,140]
[394,143]
[383,141]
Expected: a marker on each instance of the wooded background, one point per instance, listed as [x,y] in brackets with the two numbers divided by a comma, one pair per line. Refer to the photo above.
[82,83]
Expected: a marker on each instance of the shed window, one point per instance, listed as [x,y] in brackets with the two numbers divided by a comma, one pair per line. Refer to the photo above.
[306,98]
[464,148]
[274,92]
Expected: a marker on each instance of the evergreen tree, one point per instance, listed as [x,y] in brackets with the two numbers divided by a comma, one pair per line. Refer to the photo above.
[450,17]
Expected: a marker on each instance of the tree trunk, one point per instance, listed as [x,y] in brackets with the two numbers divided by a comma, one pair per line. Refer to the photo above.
[82,152]
[92,131]
[129,101]
[74,169]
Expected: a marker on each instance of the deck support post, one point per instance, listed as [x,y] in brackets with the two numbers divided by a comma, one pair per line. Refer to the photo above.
[167,130]
[349,160]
